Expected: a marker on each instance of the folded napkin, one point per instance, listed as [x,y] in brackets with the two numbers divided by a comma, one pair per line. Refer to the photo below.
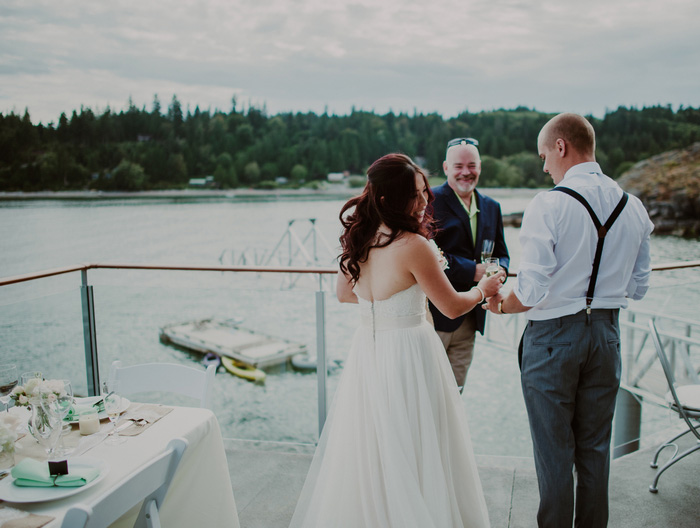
[143,416]
[14,518]
[30,472]
[79,408]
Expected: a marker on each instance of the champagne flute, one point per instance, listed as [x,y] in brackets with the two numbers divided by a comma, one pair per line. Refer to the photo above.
[57,399]
[113,406]
[8,381]
[486,250]
[492,266]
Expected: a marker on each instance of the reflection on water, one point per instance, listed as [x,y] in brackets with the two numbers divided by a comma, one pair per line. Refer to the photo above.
[42,321]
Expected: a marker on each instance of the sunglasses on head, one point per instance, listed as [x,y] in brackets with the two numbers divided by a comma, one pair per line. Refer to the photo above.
[462,141]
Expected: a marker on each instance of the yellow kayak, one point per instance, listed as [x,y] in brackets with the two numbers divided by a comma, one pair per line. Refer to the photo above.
[242,370]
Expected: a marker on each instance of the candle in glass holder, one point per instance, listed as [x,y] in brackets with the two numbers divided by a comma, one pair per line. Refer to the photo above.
[88,422]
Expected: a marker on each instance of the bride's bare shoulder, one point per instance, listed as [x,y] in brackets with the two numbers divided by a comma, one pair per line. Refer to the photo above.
[411,246]
[414,241]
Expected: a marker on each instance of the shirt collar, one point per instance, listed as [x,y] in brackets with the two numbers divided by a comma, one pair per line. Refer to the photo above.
[583,168]
[473,209]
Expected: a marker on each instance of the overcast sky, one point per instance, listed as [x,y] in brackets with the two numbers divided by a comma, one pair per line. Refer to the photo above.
[380,55]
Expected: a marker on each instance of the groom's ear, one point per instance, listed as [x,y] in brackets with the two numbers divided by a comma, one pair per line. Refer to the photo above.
[560,147]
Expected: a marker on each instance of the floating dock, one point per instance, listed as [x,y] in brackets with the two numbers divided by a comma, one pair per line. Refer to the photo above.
[227,339]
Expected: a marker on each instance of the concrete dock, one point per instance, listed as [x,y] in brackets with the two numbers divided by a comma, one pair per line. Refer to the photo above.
[267,479]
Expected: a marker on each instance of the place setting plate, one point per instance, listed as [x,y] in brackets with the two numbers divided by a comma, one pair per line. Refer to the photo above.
[24,494]
[102,415]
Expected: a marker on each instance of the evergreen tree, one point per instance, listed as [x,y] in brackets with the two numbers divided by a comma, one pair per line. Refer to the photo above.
[247,146]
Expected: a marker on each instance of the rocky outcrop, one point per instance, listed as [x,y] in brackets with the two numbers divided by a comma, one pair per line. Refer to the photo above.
[669,186]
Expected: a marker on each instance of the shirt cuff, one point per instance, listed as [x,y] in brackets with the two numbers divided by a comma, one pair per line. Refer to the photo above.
[528,295]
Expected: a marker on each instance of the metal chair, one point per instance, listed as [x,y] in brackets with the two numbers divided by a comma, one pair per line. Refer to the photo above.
[149,484]
[165,377]
[684,400]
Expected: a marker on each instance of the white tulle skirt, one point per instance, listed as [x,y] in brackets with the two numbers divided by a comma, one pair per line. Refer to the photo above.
[395,451]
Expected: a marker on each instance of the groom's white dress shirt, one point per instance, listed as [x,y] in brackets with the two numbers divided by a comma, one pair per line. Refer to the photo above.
[558,241]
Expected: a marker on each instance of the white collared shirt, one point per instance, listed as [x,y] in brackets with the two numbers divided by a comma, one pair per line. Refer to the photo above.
[558,240]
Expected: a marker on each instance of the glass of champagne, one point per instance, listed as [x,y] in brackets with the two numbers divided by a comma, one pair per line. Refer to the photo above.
[56,400]
[8,381]
[113,406]
[486,250]
[492,266]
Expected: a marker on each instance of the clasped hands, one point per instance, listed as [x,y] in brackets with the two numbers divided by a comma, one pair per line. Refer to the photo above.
[491,286]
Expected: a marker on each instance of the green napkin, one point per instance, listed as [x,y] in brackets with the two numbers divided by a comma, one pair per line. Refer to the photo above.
[79,408]
[30,472]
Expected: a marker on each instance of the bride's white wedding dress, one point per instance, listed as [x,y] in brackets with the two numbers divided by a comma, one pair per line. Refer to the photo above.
[395,451]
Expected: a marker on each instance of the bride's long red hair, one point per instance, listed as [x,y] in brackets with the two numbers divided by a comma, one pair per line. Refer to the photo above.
[389,197]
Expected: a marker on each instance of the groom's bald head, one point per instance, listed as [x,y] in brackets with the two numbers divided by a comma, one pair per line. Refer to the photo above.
[574,129]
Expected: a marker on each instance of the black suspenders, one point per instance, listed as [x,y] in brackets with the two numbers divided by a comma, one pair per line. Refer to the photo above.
[602,231]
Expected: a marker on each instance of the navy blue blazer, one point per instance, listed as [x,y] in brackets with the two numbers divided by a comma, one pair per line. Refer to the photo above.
[454,237]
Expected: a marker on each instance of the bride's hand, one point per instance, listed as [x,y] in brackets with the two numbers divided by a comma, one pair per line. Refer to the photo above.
[491,285]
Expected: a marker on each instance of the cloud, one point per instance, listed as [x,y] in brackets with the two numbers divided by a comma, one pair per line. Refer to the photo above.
[298,55]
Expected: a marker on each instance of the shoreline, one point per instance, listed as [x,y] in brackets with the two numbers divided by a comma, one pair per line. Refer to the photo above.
[331,192]
[175,193]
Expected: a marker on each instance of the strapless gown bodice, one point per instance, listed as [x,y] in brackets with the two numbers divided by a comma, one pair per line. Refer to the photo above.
[404,309]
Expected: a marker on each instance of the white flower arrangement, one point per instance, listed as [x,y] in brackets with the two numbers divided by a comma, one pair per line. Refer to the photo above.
[7,439]
[30,392]
[439,254]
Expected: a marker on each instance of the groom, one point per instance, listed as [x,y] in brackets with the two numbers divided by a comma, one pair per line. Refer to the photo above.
[570,363]
[464,219]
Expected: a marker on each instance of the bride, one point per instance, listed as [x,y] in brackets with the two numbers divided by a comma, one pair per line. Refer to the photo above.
[395,451]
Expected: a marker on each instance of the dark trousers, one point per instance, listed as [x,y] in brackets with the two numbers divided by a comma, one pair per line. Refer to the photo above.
[570,377]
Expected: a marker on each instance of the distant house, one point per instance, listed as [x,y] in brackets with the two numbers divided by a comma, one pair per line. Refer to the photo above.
[335,176]
[207,181]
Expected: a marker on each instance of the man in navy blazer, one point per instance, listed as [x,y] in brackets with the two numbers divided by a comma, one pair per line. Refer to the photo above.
[464,219]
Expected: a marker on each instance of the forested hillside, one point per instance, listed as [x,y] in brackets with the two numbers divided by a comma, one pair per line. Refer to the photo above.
[139,149]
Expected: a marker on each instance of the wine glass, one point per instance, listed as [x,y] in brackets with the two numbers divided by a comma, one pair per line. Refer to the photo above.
[32,374]
[492,266]
[57,399]
[44,428]
[8,381]
[486,250]
[113,407]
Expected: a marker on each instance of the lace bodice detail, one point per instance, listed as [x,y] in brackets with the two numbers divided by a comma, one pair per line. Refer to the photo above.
[406,303]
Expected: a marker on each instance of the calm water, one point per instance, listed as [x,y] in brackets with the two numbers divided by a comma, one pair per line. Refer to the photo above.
[41,323]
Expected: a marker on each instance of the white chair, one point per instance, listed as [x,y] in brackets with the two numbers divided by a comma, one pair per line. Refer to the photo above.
[165,377]
[149,484]
[684,400]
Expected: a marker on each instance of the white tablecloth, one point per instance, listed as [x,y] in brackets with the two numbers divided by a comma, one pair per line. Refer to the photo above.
[200,494]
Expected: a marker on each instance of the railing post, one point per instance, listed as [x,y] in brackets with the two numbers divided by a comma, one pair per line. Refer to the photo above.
[629,349]
[90,336]
[321,368]
[692,372]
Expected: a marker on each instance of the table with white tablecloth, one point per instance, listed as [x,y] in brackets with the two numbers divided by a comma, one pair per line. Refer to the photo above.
[200,493]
